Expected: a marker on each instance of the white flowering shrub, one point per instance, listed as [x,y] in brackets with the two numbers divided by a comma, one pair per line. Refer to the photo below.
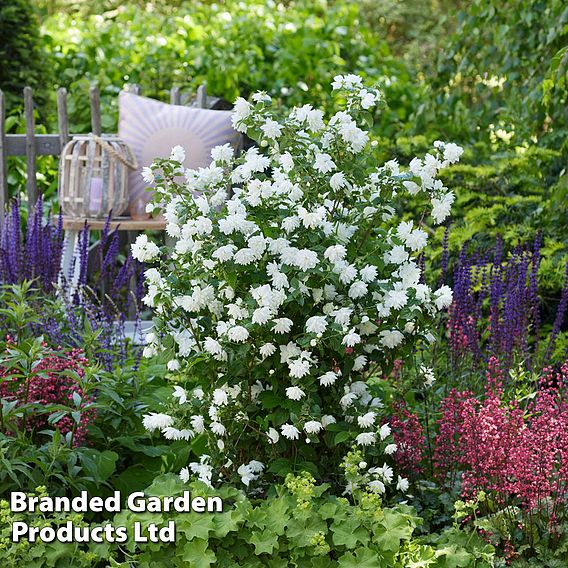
[292,287]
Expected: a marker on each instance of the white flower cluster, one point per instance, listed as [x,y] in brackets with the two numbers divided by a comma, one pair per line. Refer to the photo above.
[290,283]
[376,478]
[380,477]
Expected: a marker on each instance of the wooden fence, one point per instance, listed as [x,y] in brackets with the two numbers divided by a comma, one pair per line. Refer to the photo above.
[32,145]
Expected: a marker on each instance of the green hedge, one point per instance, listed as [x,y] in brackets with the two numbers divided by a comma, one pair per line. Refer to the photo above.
[237,48]
[22,60]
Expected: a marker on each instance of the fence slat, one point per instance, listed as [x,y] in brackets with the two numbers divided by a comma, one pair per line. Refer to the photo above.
[45,144]
[31,184]
[62,117]
[130,236]
[94,95]
[175,96]
[3,165]
[201,97]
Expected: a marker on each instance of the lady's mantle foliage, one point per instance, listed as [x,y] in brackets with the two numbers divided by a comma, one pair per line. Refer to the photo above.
[290,285]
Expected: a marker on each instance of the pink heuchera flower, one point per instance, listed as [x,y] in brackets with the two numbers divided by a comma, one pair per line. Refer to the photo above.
[519,455]
[409,438]
[50,384]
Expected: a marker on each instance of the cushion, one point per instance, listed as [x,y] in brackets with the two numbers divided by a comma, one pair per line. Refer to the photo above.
[151,128]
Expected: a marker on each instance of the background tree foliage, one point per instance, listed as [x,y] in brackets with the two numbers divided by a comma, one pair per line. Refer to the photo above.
[505,66]
[22,59]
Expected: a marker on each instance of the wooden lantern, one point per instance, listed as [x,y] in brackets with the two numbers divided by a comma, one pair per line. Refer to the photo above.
[93,176]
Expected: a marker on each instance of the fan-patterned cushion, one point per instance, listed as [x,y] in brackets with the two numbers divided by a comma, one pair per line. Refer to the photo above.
[152,128]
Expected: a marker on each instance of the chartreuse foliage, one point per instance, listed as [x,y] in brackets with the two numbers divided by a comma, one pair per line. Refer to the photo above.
[299,524]
[37,554]
[511,194]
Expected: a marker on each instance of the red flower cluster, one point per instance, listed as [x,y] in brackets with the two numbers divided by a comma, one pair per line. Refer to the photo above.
[519,455]
[409,437]
[52,383]
[448,442]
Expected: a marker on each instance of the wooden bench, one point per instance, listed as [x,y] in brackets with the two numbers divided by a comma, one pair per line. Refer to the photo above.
[32,145]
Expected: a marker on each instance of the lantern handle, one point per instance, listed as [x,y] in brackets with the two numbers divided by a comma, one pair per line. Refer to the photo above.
[132,164]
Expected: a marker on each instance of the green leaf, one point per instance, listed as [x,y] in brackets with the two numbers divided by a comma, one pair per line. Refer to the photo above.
[278,516]
[197,554]
[264,542]
[456,557]
[195,525]
[168,484]
[397,528]
[100,465]
[341,437]
[363,558]
[281,466]
[348,532]
[55,551]
[327,511]
[131,444]
[227,522]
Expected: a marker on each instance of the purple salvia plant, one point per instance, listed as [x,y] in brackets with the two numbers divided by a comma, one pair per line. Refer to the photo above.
[463,318]
[83,255]
[38,256]
[560,316]
[109,264]
[496,308]
[10,246]
[495,298]
[445,256]
[103,295]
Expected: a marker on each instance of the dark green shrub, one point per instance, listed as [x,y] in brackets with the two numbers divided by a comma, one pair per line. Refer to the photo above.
[22,59]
